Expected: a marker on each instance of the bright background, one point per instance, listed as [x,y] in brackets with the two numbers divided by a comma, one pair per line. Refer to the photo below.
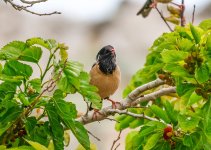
[86,26]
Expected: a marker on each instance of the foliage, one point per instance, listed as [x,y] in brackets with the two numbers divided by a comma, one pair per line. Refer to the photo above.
[182,58]
[21,96]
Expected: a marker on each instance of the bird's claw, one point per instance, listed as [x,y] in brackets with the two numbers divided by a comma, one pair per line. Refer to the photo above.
[94,116]
[113,103]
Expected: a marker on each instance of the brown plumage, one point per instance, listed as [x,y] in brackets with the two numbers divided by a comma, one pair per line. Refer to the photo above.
[105,73]
[107,84]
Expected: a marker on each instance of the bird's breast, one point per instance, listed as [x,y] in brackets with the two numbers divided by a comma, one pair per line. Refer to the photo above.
[107,84]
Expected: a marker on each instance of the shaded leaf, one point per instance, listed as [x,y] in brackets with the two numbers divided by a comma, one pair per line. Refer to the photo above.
[15,68]
[159,112]
[31,54]
[36,84]
[152,141]
[202,73]
[57,128]
[205,24]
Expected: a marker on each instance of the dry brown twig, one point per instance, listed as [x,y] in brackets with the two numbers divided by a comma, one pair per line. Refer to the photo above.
[25,5]
[114,142]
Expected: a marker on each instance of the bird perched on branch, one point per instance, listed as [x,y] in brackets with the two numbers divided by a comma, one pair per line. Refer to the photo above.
[105,73]
[149,4]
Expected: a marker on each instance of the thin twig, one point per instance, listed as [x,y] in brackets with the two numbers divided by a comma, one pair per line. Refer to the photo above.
[29,4]
[161,15]
[93,135]
[193,14]
[114,142]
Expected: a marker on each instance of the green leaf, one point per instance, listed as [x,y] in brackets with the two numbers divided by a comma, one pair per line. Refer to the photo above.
[31,54]
[92,147]
[133,140]
[182,88]
[89,91]
[36,84]
[172,56]
[124,123]
[24,147]
[176,70]
[188,123]
[202,73]
[79,131]
[152,141]
[15,68]
[187,141]
[66,110]
[172,114]
[196,33]
[8,118]
[69,81]
[48,44]
[12,50]
[194,98]
[147,130]
[56,127]
[36,145]
[30,124]
[159,112]
[205,24]
[185,44]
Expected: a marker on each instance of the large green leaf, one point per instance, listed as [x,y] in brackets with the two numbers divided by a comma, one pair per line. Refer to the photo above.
[48,44]
[18,50]
[152,141]
[20,148]
[188,123]
[12,50]
[205,24]
[133,140]
[202,73]
[8,118]
[176,70]
[172,56]
[66,110]
[187,141]
[69,81]
[36,145]
[79,132]
[159,112]
[89,91]
[30,124]
[35,84]
[31,54]
[194,98]
[196,32]
[16,68]
[172,114]
[56,127]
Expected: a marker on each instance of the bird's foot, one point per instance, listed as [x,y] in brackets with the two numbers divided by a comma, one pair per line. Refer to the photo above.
[95,114]
[113,103]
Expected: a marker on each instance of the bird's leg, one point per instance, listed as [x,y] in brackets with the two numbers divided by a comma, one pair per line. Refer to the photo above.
[113,103]
[96,111]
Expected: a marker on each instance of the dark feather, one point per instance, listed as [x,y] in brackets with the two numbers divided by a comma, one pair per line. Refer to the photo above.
[145,10]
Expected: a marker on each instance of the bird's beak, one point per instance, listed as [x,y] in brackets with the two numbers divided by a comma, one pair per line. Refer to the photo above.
[113,51]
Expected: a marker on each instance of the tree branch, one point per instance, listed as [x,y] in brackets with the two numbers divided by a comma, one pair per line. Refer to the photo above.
[133,99]
[27,4]
[126,112]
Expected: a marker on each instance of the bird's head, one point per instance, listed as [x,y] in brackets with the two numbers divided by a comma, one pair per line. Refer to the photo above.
[107,52]
[106,59]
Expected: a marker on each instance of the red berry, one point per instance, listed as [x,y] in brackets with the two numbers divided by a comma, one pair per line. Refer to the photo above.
[168,132]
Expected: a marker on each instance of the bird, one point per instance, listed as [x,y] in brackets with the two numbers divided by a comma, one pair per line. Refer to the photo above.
[105,73]
[149,4]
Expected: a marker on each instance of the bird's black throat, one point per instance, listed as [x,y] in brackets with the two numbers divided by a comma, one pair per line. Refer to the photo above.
[107,65]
